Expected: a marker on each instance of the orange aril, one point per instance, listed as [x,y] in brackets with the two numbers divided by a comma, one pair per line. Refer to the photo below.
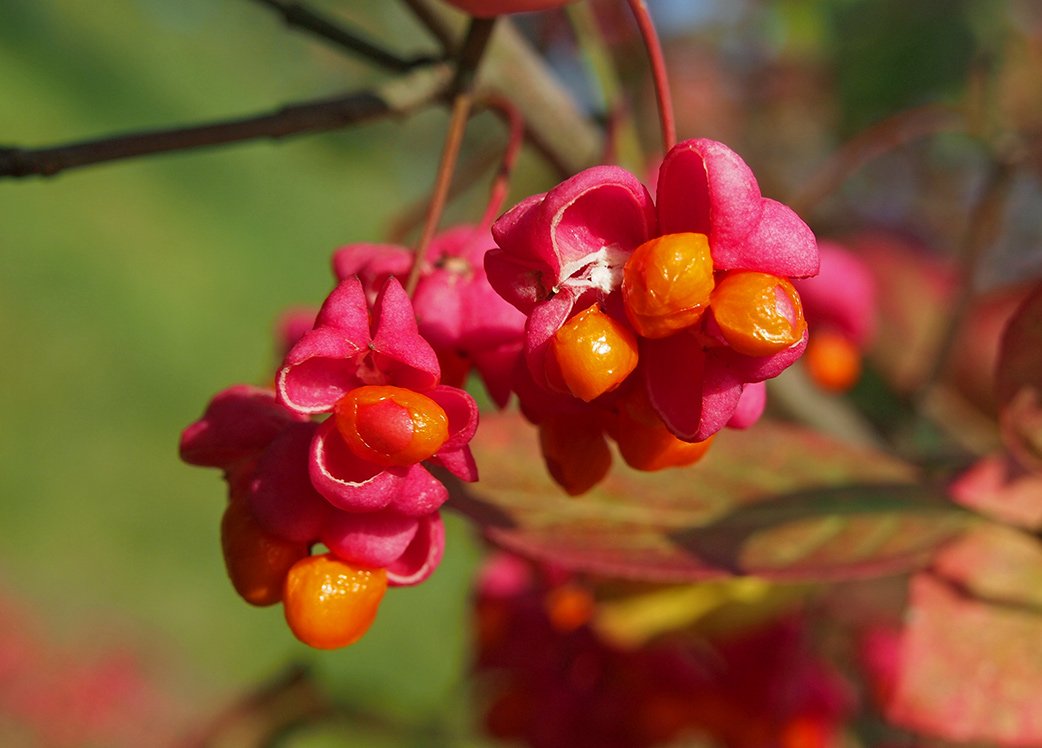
[833,362]
[329,603]
[758,314]
[807,731]
[575,451]
[391,426]
[257,561]
[666,284]
[569,606]
[590,354]
[645,442]
[651,448]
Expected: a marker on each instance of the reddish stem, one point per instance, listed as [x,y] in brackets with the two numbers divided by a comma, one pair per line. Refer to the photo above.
[501,182]
[462,101]
[658,71]
[449,156]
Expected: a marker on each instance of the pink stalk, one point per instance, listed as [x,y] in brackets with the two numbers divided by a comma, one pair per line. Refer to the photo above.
[501,182]
[658,71]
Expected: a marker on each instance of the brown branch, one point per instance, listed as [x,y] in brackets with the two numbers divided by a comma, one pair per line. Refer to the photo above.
[401,96]
[555,126]
[436,22]
[302,17]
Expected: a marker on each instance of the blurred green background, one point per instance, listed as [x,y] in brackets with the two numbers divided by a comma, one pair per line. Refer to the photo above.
[131,292]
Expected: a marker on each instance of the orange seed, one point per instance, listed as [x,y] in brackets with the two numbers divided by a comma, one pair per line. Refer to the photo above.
[257,561]
[330,603]
[591,354]
[391,426]
[758,314]
[667,283]
[833,362]
[575,451]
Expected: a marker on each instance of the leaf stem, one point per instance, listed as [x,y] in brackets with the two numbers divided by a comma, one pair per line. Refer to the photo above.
[658,71]
[462,91]
[515,138]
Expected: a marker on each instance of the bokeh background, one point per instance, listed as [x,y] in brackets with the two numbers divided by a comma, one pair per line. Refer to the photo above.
[131,292]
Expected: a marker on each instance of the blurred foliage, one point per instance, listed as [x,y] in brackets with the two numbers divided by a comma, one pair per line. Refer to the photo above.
[132,291]
[889,55]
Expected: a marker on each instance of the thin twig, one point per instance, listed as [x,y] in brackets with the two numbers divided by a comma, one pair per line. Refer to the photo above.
[401,96]
[435,23]
[471,170]
[515,138]
[658,72]
[300,16]
[462,90]
[468,173]
[881,138]
[982,226]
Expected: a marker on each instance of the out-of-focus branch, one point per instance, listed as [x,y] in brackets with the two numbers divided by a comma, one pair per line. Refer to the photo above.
[554,125]
[884,136]
[401,96]
[982,227]
[302,17]
[436,22]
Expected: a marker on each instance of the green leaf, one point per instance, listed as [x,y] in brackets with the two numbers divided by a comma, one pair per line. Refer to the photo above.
[775,501]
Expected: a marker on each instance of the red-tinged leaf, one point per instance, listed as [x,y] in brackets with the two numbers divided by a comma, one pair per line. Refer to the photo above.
[995,563]
[775,501]
[1019,385]
[1000,487]
[969,670]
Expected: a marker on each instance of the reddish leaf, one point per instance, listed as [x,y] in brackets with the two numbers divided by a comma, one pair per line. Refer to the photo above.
[999,487]
[969,670]
[775,501]
[995,563]
[1019,385]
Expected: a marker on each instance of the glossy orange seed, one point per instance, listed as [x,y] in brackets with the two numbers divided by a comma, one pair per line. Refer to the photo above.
[391,426]
[591,354]
[330,603]
[651,448]
[758,314]
[257,561]
[833,362]
[666,284]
